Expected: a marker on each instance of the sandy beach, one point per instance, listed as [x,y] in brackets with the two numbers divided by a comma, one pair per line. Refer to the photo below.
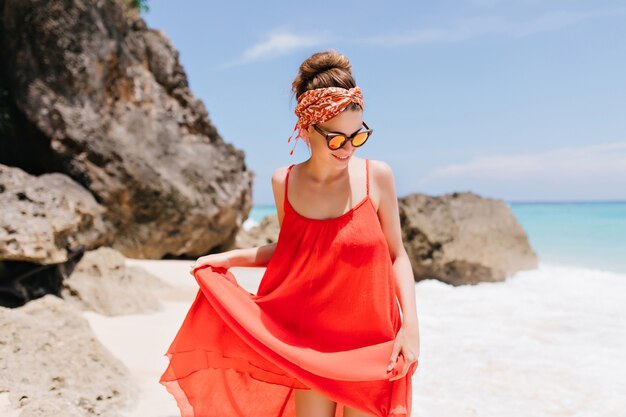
[135,131]
[546,342]
[140,340]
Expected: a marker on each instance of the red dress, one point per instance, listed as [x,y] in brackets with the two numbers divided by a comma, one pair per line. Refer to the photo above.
[325,317]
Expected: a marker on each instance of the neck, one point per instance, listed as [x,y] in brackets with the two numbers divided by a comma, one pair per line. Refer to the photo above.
[322,172]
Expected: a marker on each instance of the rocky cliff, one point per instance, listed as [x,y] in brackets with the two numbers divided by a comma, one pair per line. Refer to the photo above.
[89,91]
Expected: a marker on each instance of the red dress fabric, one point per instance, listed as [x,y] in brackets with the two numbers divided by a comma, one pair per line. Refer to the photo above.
[325,317]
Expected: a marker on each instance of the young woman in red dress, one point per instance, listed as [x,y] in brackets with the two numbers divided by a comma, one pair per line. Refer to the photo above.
[332,330]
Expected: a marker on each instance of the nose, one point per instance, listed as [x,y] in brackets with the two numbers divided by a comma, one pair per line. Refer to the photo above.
[348,146]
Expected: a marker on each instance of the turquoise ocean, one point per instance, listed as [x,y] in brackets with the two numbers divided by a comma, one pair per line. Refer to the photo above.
[577,234]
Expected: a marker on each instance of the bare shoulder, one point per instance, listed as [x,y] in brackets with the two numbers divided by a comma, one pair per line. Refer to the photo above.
[278,183]
[380,170]
[382,181]
[278,187]
[278,177]
[387,209]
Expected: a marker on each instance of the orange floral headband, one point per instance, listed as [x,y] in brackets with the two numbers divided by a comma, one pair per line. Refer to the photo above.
[322,104]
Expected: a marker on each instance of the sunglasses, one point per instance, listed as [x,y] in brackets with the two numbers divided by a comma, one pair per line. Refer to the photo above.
[337,140]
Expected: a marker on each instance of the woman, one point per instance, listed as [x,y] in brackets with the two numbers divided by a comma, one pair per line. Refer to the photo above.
[324,328]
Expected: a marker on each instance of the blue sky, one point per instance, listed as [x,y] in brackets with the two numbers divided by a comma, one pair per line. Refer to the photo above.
[519,100]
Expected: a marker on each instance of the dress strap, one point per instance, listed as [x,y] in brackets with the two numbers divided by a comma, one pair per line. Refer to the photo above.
[285,200]
[367,176]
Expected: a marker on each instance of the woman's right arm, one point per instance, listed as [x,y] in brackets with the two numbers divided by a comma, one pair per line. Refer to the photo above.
[257,256]
[261,255]
[252,257]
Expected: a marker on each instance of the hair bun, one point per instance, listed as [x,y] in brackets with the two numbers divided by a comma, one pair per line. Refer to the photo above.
[324,61]
[323,69]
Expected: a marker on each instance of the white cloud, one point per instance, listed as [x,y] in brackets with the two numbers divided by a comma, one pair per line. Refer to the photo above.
[465,29]
[573,171]
[281,41]
[277,42]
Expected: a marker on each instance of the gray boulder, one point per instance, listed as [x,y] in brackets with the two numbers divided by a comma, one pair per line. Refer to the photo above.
[462,238]
[52,365]
[102,282]
[43,215]
[262,234]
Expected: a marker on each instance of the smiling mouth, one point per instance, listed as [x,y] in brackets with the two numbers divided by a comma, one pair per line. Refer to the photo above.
[341,158]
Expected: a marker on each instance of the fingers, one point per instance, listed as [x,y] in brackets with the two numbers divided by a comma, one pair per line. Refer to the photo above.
[405,368]
[396,375]
[199,263]
[410,358]
[394,356]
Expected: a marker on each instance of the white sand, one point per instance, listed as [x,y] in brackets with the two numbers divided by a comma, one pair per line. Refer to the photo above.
[547,342]
[6,409]
[140,340]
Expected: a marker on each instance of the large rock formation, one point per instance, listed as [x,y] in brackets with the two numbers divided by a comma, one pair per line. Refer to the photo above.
[42,216]
[51,365]
[462,238]
[86,89]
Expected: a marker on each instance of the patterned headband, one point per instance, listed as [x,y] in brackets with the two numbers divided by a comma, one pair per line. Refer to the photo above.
[322,104]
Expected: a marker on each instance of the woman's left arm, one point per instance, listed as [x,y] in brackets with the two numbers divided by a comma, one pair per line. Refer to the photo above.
[407,340]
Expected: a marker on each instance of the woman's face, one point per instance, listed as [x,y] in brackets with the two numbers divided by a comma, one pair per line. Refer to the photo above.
[347,122]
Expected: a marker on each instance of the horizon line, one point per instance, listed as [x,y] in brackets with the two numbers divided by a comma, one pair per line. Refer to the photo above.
[522,202]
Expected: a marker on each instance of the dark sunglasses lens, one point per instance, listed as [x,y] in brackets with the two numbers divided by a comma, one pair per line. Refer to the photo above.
[336,142]
[360,139]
